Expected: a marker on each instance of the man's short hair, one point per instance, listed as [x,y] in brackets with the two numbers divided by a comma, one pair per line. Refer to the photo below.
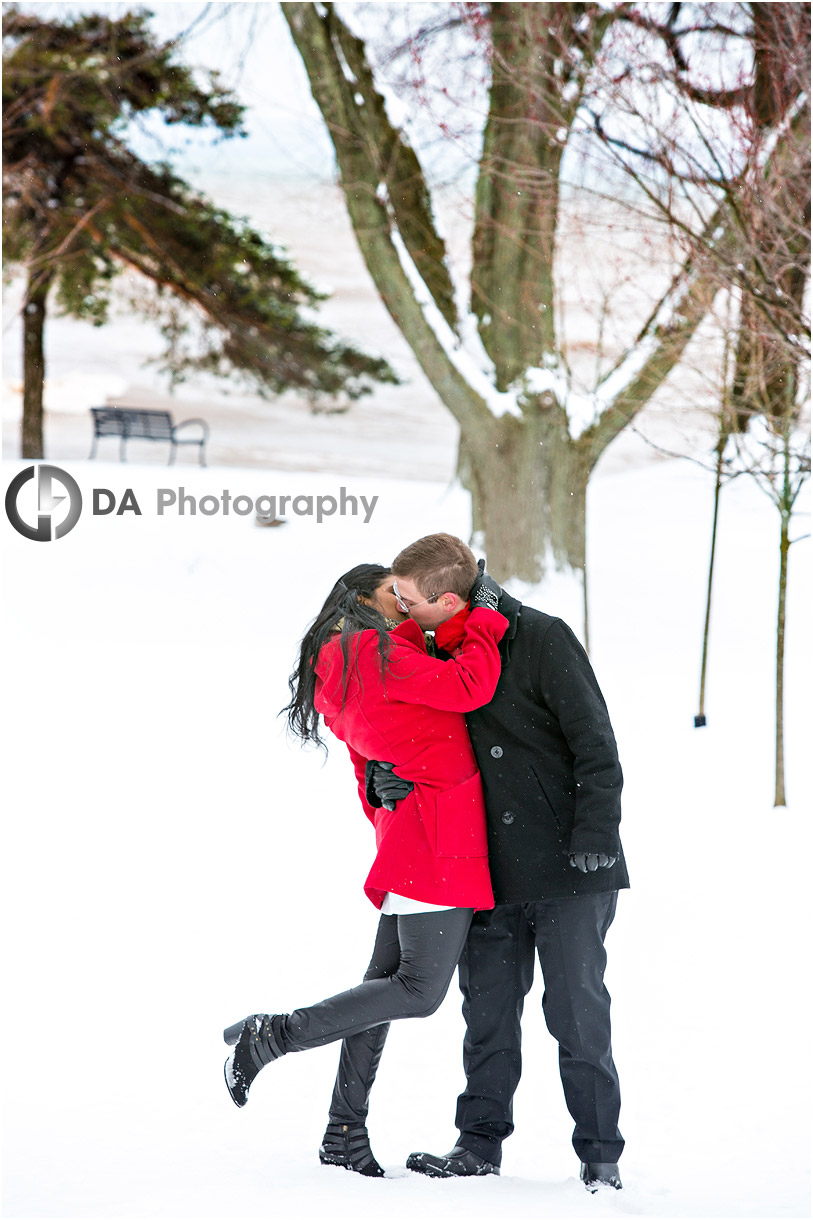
[438,563]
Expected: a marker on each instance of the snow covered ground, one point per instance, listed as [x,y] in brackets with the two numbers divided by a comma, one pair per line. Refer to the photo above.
[172,863]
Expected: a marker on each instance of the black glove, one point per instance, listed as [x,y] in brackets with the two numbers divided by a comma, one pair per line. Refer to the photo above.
[383,787]
[589,861]
[485,592]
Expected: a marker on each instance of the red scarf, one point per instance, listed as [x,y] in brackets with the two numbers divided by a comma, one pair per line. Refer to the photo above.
[449,635]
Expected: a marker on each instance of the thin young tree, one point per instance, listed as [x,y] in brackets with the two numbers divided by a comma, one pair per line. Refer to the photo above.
[771,380]
[721,476]
[756,163]
[80,207]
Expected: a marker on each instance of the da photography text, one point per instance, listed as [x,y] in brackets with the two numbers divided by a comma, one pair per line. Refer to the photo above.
[44,503]
[178,502]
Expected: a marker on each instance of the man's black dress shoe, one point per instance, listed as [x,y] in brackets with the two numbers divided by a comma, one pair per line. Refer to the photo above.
[459,1163]
[596,1174]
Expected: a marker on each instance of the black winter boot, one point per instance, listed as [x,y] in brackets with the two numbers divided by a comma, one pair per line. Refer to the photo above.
[459,1163]
[596,1174]
[256,1041]
[348,1145]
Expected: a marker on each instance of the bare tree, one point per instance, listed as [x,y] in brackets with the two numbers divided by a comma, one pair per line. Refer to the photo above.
[752,157]
[492,346]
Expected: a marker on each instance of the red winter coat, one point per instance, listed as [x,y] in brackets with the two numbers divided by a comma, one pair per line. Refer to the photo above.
[432,846]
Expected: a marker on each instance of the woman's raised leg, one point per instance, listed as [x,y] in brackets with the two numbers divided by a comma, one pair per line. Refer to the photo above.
[429,948]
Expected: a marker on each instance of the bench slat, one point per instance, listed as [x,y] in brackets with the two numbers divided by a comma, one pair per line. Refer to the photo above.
[130,422]
[136,423]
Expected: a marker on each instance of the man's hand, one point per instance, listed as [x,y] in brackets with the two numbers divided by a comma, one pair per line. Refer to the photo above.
[381,781]
[590,861]
[485,592]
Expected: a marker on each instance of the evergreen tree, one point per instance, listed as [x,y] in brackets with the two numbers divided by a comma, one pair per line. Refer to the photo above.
[80,206]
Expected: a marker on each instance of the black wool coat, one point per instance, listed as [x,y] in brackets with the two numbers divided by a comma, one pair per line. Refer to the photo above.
[548,757]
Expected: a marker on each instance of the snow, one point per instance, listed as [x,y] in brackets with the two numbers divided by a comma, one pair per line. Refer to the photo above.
[498,402]
[549,380]
[347,72]
[398,113]
[561,592]
[61,393]
[585,407]
[772,140]
[158,826]
[173,864]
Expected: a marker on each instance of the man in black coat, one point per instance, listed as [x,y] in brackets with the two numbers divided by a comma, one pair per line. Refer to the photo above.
[552,782]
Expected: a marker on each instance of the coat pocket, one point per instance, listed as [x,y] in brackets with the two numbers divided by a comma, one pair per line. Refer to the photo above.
[556,814]
[461,820]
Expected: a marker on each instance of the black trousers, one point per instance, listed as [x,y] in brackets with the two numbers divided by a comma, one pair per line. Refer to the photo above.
[496,973]
[413,962]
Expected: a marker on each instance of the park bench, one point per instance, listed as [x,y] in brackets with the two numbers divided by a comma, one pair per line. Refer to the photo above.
[133,422]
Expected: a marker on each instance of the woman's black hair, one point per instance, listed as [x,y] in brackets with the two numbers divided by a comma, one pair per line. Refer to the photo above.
[342,610]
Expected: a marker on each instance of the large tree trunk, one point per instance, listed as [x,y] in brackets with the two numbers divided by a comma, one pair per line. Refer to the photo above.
[528,483]
[518,192]
[34,362]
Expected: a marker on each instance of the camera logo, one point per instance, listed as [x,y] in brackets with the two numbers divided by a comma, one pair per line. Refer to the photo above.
[47,501]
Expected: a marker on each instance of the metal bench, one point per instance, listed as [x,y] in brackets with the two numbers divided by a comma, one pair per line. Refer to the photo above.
[132,422]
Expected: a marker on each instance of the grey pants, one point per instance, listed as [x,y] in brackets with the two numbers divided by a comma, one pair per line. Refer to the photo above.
[412,965]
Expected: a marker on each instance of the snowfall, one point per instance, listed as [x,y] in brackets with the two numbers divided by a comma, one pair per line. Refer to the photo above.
[173,862]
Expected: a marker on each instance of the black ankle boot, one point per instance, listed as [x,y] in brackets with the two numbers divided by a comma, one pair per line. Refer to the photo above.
[256,1041]
[348,1144]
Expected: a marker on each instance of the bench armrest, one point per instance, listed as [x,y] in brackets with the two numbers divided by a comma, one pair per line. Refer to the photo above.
[186,422]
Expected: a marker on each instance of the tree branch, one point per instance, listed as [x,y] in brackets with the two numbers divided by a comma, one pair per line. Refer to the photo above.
[659,347]
[372,212]
[398,166]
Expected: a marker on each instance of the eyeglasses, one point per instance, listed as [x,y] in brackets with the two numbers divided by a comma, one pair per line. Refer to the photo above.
[405,607]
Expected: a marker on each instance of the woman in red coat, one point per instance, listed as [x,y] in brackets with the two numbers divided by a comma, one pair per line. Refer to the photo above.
[366,669]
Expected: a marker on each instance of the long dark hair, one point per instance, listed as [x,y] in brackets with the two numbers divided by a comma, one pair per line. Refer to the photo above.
[343,610]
